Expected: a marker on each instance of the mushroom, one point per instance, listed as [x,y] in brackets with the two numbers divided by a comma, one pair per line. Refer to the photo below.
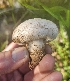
[34,33]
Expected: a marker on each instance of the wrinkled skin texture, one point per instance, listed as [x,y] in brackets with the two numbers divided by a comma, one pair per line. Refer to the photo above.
[44,71]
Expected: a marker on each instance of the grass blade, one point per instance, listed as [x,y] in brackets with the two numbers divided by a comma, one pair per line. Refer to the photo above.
[28,6]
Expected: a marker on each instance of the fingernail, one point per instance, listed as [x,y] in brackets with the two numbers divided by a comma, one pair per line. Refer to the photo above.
[19,54]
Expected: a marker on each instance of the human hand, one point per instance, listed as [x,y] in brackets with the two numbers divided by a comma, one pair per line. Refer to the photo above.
[44,71]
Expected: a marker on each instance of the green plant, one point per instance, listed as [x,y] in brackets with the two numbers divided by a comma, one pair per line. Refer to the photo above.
[61,45]
[2,45]
[59,14]
[56,10]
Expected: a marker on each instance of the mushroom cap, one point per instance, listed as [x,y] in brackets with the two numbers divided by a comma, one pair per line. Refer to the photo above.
[34,29]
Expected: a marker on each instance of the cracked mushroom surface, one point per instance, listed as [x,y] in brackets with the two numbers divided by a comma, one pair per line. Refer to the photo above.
[34,33]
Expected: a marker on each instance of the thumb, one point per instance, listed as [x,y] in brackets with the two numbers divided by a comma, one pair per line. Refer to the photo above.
[12,60]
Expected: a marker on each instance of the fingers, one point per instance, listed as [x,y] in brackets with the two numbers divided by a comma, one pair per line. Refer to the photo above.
[17,76]
[55,76]
[47,74]
[11,46]
[24,68]
[14,76]
[47,64]
[44,68]
[11,60]
[3,78]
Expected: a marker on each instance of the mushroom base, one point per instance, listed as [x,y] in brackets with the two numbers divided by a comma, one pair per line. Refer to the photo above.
[35,59]
[36,51]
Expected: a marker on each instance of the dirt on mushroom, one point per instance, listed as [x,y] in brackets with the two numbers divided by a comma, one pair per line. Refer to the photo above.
[35,33]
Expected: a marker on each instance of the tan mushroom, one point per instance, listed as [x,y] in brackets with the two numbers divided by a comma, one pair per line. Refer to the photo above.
[34,33]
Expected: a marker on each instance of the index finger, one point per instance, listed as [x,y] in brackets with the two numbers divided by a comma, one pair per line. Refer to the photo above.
[11,46]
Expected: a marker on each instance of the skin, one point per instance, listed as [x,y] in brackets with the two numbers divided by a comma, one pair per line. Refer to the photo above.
[44,71]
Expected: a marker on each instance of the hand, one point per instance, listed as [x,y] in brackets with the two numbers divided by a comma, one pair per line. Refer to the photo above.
[18,59]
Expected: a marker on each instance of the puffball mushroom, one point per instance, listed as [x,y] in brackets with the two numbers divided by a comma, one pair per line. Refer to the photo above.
[34,33]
